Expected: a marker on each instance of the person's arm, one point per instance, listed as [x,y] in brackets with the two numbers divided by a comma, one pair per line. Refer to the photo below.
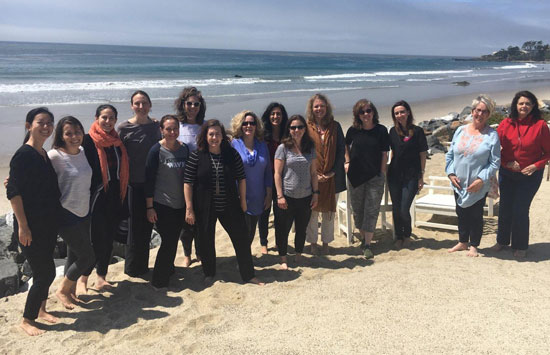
[423,168]
[384,163]
[347,159]
[340,156]
[279,165]
[484,176]
[151,213]
[190,175]
[242,194]
[25,235]
[314,183]
[268,179]
[18,177]
[544,139]
[151,170]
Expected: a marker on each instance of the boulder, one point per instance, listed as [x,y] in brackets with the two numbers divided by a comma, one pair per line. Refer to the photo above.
[466,111]
[9,277]
[434,145]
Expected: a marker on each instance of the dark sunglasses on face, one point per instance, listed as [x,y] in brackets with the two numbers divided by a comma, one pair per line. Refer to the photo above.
[364,112]
[192,104]
[249,123]
[295,128]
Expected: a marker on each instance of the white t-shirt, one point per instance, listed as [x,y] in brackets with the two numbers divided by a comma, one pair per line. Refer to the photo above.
[188,135]
[74,176]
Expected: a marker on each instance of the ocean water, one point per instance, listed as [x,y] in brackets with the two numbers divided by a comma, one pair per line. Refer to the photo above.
[51,74]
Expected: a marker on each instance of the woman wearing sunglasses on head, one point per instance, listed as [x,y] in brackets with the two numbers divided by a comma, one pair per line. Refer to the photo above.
[190,110]
[367,146]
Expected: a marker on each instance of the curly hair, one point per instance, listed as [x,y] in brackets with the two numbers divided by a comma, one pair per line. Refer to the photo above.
[535,111]
[268,128]
[202,143]
[237,125]
[309,110]
[361,105]
[307,144]
[410,119]
[179,104]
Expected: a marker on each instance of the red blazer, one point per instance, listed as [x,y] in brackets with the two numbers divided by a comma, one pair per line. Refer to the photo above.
[526,141]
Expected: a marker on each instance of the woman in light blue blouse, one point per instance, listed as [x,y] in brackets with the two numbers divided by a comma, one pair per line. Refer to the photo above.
[248,141]
[473,158]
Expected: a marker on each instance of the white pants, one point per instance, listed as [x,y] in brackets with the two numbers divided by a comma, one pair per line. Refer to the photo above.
[327,227]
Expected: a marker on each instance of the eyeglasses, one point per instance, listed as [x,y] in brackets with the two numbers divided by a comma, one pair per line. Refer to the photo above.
[481,112]
[295,128]
[249,123]
[192,104]
[366,111]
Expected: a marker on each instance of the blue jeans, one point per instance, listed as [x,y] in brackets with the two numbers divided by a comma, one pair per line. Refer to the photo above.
[516,193]
[402,195]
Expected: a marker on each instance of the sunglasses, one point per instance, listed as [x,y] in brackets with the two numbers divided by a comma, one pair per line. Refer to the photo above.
[249,123]
[295,128]
[192,104]
[366,111]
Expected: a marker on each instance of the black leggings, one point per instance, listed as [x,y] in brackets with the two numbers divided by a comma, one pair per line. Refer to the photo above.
[299,212]
[80,256]
[139,233]
[169,225]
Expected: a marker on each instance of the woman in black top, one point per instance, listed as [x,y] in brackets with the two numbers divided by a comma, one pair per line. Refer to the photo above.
[367,146]
[34,195]
[211,176]
[405,174]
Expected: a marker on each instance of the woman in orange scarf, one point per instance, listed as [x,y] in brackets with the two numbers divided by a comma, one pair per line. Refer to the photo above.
[110,172]
[330,148]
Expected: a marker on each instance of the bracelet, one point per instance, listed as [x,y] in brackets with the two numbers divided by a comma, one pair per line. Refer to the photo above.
[346,162]
[280,197]
[151,208]
[316,192]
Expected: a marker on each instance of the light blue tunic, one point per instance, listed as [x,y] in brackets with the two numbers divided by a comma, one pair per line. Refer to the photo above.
[471,157]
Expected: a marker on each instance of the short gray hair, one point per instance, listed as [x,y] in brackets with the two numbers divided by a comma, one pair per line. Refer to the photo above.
[489,103]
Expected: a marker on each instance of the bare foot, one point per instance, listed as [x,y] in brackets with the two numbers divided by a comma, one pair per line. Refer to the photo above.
[407,242]
[398,244]
[81,286]
[102,284]
[473,252]
[325,250]
[187,261]
[256,281]
[497,247]
[42,314]
[314,249]
[65,299]
[75,298]
[284,265]
[30,327]
[264,249]
[458,247]
[520,253]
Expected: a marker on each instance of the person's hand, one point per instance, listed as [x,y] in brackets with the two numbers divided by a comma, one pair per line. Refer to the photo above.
[455,181]
[513,165]
[346,166]
[267,201]
[314,200]
[6,181]
[281,202]
[152,215]
[420,184]
[25,236]
[475,186]
[243,205]
[529,170]
[190,216]
[321,178]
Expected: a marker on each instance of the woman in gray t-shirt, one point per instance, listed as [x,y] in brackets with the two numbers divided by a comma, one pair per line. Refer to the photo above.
[296,184]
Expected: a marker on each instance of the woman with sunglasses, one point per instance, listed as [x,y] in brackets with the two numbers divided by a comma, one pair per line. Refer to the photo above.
[248,141]
[330,148]
[367,146]
[274,121]
[190,110]
[296,184]
[215,189]
[406,171]
[138,134]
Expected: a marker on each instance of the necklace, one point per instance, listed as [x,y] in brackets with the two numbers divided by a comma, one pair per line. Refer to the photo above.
[216,164]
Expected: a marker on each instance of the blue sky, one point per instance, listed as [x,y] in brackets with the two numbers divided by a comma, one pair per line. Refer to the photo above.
[431,27]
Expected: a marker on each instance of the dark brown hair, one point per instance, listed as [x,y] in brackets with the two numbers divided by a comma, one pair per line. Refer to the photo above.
[202,143]
[306,144]
[179,104]
[361,105]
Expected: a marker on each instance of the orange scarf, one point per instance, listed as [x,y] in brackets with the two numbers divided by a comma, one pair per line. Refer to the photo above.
[103,140]
[326,152]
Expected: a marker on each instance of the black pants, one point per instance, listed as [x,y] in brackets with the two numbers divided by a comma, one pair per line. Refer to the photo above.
[470,222]
[263,222]
[234,224]
[251,223]
[169,225]
[39,254]
[188,234]
[402,195]
[80,256]
[139,233]
[299,212]
[516,194]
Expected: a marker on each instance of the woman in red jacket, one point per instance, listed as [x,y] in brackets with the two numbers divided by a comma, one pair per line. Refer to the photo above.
[525,141]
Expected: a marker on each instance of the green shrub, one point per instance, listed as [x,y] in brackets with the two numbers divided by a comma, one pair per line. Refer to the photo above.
[495,118]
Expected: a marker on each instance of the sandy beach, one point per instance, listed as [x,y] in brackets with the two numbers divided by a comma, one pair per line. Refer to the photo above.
[416,301]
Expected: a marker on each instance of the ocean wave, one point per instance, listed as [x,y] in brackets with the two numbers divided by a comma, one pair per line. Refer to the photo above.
[517,66]
[382,73]
[130,85]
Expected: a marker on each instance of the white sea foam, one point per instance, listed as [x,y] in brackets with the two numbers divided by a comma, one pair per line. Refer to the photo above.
[518,66]
[382,73]
[129,85]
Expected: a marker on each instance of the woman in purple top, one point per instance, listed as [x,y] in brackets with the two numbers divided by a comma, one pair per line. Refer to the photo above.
[248,141]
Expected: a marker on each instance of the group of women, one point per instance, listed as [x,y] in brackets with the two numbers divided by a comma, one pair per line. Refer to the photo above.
[183,174]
